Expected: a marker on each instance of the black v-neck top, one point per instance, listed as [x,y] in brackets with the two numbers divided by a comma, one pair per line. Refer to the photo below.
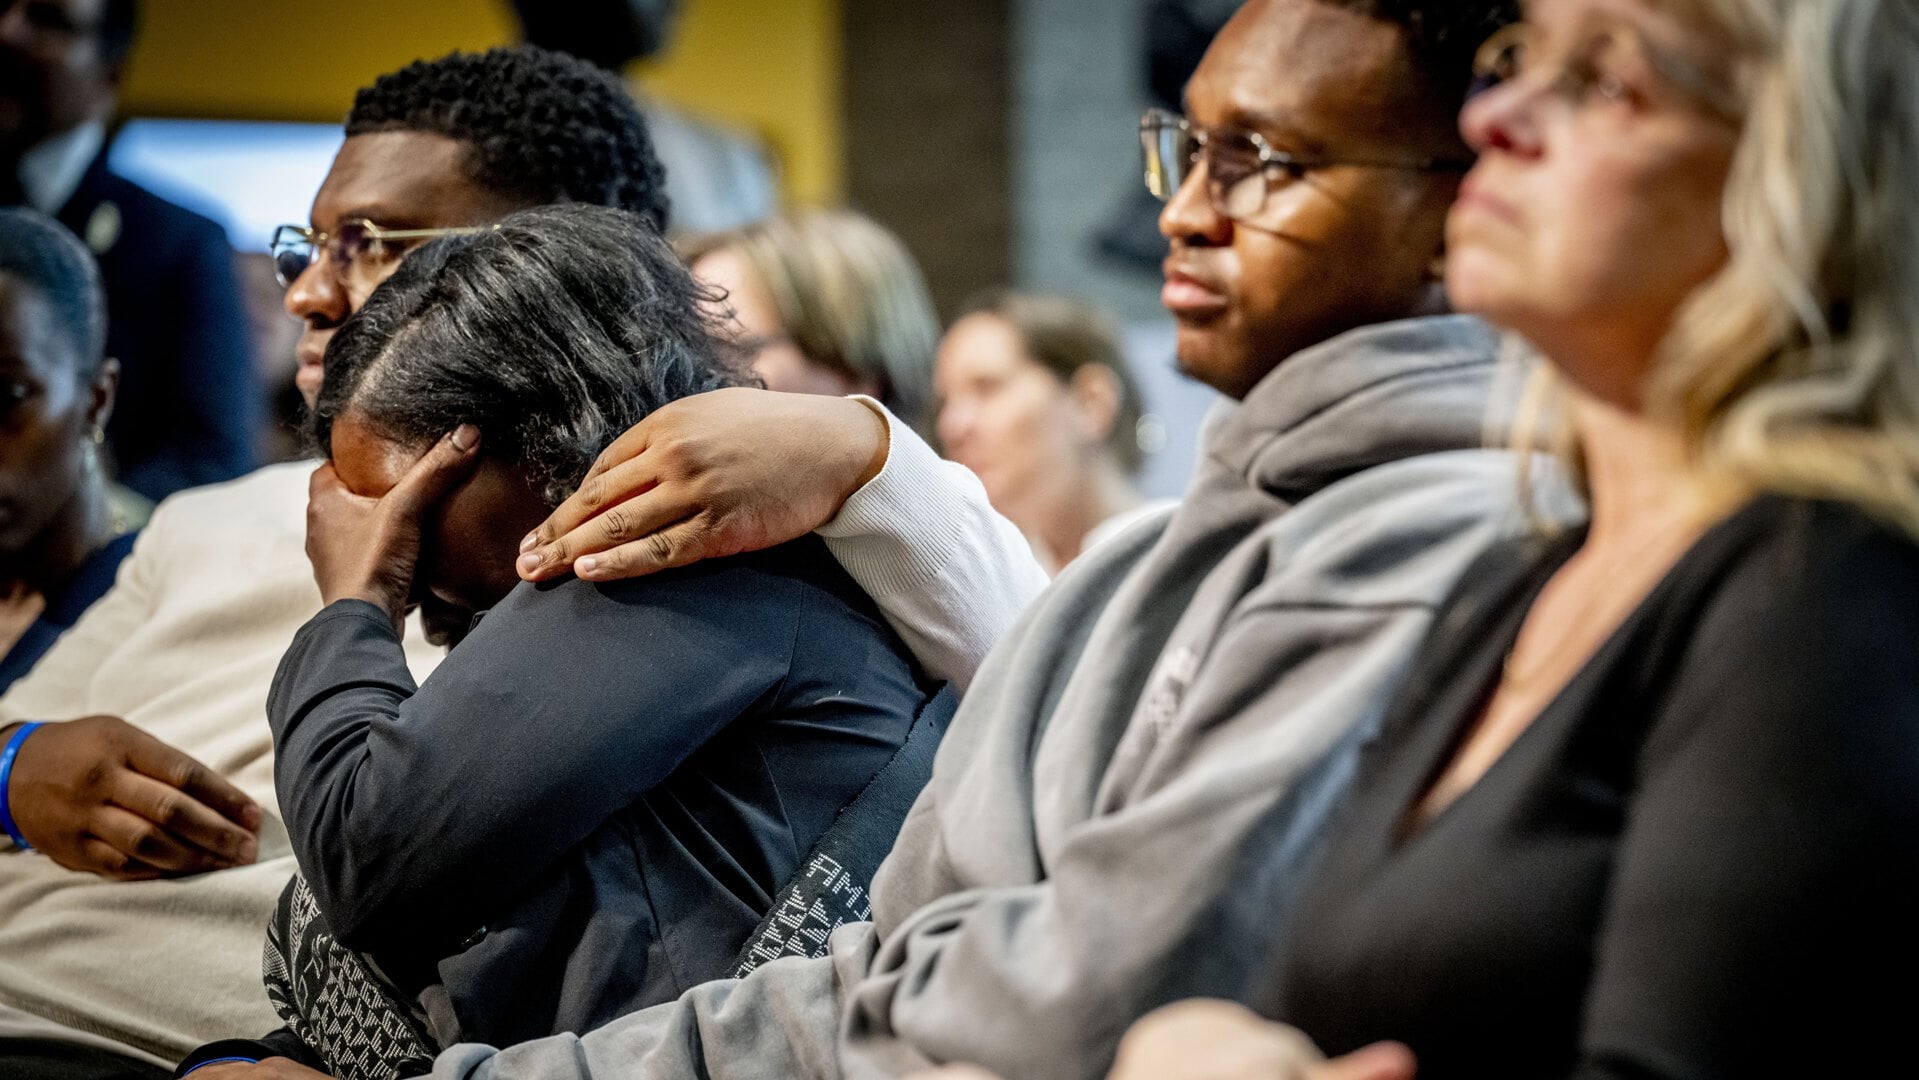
[1700,860]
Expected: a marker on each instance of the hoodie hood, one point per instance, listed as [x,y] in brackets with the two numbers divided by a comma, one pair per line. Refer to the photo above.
[1367,397]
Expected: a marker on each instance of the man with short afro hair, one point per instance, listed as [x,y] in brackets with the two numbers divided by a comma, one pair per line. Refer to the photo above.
[538,125]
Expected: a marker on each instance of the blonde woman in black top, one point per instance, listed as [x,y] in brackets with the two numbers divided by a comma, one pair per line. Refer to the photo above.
[1649,804]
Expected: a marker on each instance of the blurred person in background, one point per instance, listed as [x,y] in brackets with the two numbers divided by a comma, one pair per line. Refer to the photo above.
[176,321]
[59,543]
[827,302]
[1035,398]
[716,178]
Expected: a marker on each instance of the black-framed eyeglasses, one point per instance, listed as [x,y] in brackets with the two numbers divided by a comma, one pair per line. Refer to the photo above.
[1242,168]
[362,253]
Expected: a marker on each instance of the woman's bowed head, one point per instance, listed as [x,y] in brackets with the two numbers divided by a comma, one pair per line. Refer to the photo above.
[367,547]
[446,435]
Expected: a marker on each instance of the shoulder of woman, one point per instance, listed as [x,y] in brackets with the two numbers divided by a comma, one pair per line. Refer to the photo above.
[713,591]
[1798,632]
[1819,562]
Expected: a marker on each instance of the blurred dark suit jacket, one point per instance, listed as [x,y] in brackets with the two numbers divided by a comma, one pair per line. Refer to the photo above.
[189,408]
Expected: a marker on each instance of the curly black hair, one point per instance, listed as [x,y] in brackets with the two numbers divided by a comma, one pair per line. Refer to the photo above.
[540,126]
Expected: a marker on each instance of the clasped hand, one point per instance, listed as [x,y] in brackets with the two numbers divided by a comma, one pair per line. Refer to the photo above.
[368,548]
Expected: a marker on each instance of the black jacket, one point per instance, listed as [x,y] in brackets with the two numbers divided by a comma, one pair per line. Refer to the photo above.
[189,405]
[1691,863]
[593,801]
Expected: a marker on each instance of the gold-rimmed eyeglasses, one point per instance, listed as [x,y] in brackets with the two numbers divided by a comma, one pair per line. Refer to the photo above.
[362,253]
[1242,168]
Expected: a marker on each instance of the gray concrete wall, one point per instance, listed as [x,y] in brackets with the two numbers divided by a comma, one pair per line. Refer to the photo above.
[1077,95]
[1078,90]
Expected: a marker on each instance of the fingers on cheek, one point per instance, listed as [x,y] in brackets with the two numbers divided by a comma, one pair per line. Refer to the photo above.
[326,508]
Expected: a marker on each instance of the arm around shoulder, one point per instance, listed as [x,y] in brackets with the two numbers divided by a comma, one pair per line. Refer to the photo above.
[743,469]
[949,573]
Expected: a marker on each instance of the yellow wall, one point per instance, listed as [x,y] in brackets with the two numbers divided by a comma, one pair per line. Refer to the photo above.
[769,66]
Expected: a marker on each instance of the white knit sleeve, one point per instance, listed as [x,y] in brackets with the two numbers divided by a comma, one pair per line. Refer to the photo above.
[948,572]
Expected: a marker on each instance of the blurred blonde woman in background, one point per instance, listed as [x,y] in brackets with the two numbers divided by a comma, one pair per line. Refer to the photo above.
[827,302]
[1034,397]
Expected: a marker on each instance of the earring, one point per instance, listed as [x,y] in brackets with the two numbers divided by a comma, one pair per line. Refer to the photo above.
[99,435]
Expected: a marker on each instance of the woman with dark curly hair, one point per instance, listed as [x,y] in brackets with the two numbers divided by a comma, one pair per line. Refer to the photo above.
[598,797]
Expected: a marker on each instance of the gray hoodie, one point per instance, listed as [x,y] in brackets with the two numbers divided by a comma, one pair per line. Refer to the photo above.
[1120,813]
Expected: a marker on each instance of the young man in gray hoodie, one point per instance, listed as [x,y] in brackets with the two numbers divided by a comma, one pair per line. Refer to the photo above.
[1121,812]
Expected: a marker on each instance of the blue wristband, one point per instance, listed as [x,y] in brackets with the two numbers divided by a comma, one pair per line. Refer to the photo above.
[6,777]
[222,1061]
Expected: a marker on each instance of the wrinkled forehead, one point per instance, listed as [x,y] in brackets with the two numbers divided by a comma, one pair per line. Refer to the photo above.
[982,343]
[407,180]
[1681,32]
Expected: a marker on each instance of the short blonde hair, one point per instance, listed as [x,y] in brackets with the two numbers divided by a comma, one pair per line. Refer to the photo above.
[850,295]
[1796,367]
